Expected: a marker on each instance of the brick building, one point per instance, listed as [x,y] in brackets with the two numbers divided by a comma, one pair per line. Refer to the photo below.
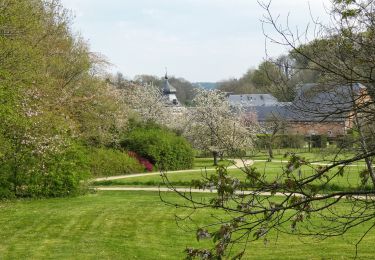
[316,109]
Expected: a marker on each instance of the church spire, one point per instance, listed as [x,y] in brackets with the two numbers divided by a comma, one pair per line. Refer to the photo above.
[166,73]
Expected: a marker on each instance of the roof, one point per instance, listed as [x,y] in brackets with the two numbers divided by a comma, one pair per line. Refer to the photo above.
[316,102]
[252,100]
[280,110]
[313,103]
[167,87]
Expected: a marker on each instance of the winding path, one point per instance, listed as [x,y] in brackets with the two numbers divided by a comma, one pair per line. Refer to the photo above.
[238,163]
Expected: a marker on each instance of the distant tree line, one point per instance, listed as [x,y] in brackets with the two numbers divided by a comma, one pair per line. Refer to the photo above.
[185,89]
[279,77]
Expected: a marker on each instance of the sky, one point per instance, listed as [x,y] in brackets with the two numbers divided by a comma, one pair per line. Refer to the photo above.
[199,40]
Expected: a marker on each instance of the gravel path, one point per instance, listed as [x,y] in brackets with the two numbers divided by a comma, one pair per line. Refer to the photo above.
[237,164]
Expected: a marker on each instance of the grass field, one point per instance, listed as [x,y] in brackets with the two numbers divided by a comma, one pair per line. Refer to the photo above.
[316,154]
[271,171]
[134,225]
[209,163]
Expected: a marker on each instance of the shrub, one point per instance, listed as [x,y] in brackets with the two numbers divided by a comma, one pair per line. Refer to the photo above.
[53,175]
[110,162]
[318,141]
[345,142]
[290,141]
[64,176]
[162,147]
[143,161]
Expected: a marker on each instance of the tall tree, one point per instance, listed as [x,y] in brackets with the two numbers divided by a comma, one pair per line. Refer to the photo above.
[216,127]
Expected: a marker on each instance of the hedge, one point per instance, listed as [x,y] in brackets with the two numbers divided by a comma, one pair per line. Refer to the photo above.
[111,162]
[162,147]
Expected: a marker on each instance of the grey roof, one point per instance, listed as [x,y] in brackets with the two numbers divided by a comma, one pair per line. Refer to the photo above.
[252,100]
[313,103]
[280,110]
[167,87]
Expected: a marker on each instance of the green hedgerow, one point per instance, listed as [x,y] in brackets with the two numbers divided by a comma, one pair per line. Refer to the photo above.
[110,162]
[165,149]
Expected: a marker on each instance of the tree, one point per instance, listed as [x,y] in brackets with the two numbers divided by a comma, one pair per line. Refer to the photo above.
[243,85]
[273,125]
[148,102]
[270,77]
[273,78]
[48,85]
[215,126]
[341,55]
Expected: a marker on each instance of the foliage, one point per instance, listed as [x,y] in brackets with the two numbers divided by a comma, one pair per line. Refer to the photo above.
[148,102]
[53,175]
[143,161]
[111,162]
[319,141]
[185,89]
[280,141]
[51,97]
[215,126]
[162,147]
[269,77]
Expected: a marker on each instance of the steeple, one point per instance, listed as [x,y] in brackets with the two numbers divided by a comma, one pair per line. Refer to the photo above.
[169,91]
[167,87]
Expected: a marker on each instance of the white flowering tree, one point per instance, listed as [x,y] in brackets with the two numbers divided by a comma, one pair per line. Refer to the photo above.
[147,101]
[216,126]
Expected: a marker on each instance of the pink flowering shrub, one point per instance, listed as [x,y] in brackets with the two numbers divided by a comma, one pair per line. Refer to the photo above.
[146,163]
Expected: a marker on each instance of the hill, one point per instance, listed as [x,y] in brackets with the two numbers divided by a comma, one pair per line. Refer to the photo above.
[206,85]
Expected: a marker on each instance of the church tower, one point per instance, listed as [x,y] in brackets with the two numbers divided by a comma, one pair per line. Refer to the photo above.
[169,93]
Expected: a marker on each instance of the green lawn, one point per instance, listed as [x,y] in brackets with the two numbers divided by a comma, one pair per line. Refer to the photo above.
[134,225]
[315,155]
[271,171]
[209,163]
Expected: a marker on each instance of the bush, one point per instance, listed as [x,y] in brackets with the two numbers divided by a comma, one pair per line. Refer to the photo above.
[317,141]
[143,161]
[64,176]
[54,175]
[289,141]
[345,142]
[162,147]
[110,162]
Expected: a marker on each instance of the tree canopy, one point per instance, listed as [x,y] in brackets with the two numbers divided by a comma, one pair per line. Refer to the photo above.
[52,101]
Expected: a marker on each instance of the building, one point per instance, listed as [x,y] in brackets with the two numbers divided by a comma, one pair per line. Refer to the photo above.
[169,93]
[316,109]
[248,100]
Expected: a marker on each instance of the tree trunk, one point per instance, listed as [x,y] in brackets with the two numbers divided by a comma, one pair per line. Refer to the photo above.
[222,156]
[363,143]
[215,155]
[270,152]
